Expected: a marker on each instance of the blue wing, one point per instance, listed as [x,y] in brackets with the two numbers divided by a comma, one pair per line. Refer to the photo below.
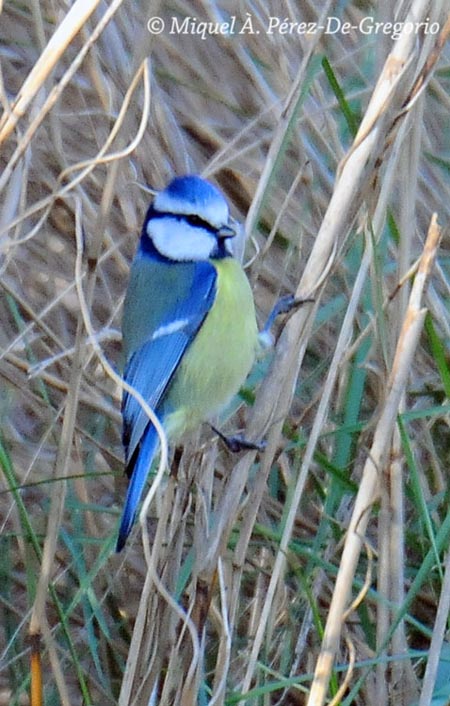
[149,371]
[165,307]
[161,317]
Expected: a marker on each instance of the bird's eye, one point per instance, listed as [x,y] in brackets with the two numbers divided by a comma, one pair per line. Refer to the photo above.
[198,222]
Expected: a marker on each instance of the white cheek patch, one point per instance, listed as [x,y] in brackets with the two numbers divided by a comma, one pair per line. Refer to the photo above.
[173,327]
[178,240]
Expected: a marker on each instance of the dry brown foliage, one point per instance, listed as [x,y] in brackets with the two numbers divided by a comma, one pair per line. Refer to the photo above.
[256,576]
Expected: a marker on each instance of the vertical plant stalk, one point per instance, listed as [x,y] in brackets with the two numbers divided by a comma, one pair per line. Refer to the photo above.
[35,81]
[376,461]
[38,622]
[75,19]
[390,103]
[397,676]
[440,627]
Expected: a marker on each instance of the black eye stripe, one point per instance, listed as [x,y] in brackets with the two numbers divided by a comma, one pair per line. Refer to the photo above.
[191,218]
[196,221]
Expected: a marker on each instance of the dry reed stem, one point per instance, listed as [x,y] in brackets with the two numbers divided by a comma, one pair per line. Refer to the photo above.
[56,92]
[437,640]
[285,122]
[374,468]
[76,17]
[38,622]
[348,675]
[391,543]
[345,200]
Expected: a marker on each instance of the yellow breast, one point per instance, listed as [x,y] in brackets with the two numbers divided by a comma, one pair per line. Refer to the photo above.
[221,355]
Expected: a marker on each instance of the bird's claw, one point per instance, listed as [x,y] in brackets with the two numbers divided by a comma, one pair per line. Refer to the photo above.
[238,443]
[284,305]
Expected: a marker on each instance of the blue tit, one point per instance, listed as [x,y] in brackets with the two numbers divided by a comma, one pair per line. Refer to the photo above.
[189,326]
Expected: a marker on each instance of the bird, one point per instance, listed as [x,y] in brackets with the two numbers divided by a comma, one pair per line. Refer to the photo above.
[189,328]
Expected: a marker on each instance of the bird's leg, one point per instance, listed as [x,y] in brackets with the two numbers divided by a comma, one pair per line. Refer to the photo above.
[284,305]
[237,443]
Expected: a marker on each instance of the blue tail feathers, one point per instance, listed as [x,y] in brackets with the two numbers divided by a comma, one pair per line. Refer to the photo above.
[136,485]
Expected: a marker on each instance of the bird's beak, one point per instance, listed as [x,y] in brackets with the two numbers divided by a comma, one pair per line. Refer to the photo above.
[226,231]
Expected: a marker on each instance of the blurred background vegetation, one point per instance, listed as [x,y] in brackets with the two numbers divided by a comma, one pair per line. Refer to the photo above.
[272,114]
